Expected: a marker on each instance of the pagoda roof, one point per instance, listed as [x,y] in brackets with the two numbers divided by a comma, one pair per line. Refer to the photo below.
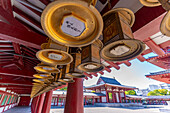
[159,73]
[162,76]
[110,80]
[113,85]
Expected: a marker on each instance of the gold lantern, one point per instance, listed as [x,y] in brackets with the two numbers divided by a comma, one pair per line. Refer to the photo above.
[118,41]
[91,58]
[62,75]
[43,76]
[72,67]
[165,24]
[54,57]
[46,69]
[54,54]
[72,23]
[150,3]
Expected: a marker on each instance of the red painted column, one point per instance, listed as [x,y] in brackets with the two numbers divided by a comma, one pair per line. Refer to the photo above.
[120,99]
[93,101]
[54,101]
[107,96]
[47,103]
[100,99]
[36,104]
[85,100]
[74,99]
[40,104]
[57,100]
[140,100]
[113,97]
[125,97]
[61,102]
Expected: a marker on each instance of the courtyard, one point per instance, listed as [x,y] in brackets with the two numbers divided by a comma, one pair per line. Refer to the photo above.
[111,110]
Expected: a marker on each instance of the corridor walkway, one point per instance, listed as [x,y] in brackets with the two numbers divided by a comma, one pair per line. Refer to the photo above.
[19,110]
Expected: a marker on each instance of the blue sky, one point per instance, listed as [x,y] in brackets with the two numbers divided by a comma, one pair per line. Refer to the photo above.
[133,75]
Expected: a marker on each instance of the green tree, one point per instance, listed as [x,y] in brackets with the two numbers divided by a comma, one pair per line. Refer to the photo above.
[158,92]
[65,88]
[152,93]
[130,92]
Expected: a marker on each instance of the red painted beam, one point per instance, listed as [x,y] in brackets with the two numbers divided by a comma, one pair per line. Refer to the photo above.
[101,72]
[88,75]
[146,31]
[18,83]
[30,39]
[10,18]
[113,65]
[107,69]
[145,15]
[127,63]
[155,48]
[95,74]
[19,73]
[141,58]
[19,58]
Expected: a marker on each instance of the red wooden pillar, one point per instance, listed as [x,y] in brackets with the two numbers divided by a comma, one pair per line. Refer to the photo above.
[36,104]
[107,96]
[125,97]
[100,99]
[93,101]
[113,97]
[32,104]
[140,100]
[40,104]
[120,99]
[54,100]
[85,100]
[74,99]
[57,100]
[47,103]
[61,102]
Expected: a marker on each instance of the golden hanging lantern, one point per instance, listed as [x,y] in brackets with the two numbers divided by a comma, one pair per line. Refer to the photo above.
[165,23]
[150,3]
[91,58]
[41,80]
[72,67]
[72,23]
[118,37]
[43,76]
[54,57]
[62,76]
[46,69]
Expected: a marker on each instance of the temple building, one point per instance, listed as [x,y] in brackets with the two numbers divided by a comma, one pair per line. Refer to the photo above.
[106,90]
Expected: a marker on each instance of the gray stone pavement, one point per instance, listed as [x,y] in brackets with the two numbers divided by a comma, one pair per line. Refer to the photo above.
[19,110]
[111,110]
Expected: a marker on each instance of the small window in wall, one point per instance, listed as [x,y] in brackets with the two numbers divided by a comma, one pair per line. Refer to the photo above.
[4,100]
[9,100]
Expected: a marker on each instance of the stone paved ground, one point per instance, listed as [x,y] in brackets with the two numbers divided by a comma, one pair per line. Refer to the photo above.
[19,110]
[111,110]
